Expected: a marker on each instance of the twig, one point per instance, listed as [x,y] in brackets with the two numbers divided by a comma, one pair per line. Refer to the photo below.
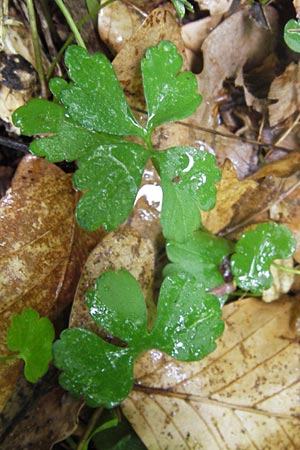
[37,48]
[70,22]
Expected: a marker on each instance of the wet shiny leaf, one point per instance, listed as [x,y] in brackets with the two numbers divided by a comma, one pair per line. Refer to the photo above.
[32,337]
[188,178]
[112,175]
[117,304]
[187,324]
[292,35]
[169,95]
[255,252]
[201,257]
[68,140]
[188,319]
[86,99]
[92,368]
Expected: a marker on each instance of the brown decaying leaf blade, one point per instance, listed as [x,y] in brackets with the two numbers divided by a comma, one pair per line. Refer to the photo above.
[41,250]
[122,249]
[245,395]
[51,417]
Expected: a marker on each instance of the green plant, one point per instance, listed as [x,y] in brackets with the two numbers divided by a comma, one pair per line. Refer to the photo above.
[109,172]
[292,35]
[32,337]
[181,6]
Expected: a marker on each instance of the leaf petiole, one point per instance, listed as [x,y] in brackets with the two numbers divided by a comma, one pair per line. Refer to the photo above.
[286,269]
[70,22]
[8,357]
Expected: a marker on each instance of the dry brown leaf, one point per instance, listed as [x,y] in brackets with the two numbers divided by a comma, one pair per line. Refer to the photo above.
[282,280]
[248,201]
[215,7]
[122,249]
[236,42]
[245,395]
[284,94]
[160,24]
[116,24]
[230,190]
[41,250]
[50,418]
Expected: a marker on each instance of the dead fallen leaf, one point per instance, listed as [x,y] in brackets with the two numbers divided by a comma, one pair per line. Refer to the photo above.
[230,190]
[249,201]
[41,250]
[284,94]
[122,249]
[117,22]
[215,7]
[282,281]
[161,24]
[50,418]
[244,395]
[246,45]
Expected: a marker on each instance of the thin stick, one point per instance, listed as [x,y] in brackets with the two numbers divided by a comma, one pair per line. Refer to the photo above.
[70,38]
[288,131]
[71,23]
[90,427]
[37,48]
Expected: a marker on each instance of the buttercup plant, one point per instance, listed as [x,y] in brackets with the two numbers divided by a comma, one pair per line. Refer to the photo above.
[94,131]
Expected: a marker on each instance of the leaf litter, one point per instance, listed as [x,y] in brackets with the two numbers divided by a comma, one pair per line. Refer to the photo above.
[261,381]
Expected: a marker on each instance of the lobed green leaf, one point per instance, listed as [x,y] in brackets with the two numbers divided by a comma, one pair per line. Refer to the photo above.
[188,177]
[111,175]
[255,252]
[117,304]
[95,99]
[292,35]
[169,95]
[181,5]
[200,257]
[92,368]
[32,337]
[188,319]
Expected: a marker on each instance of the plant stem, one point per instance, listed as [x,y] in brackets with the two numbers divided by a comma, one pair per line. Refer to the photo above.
[8,357]
[37,48]
[70,22]
[286,269]
[69,40]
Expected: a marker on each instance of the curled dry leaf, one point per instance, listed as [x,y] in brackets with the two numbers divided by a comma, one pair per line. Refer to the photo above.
[122,249]
[18,78]
[246,44]
[244,395]
[161,24]
[284,94]
[243,202]
[41,250]
[215,7]
[282,281]
[117,22]
[50,418]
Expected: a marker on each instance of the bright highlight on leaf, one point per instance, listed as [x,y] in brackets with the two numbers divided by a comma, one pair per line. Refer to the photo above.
[200,257]
[255,252]
[32,337]
[181,5]
[90,124]
[188,177]
[188,323]
[169,95]
[292,35]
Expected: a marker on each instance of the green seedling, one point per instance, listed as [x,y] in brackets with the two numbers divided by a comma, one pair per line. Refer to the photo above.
[292,35]
[90,121]
[32,338]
